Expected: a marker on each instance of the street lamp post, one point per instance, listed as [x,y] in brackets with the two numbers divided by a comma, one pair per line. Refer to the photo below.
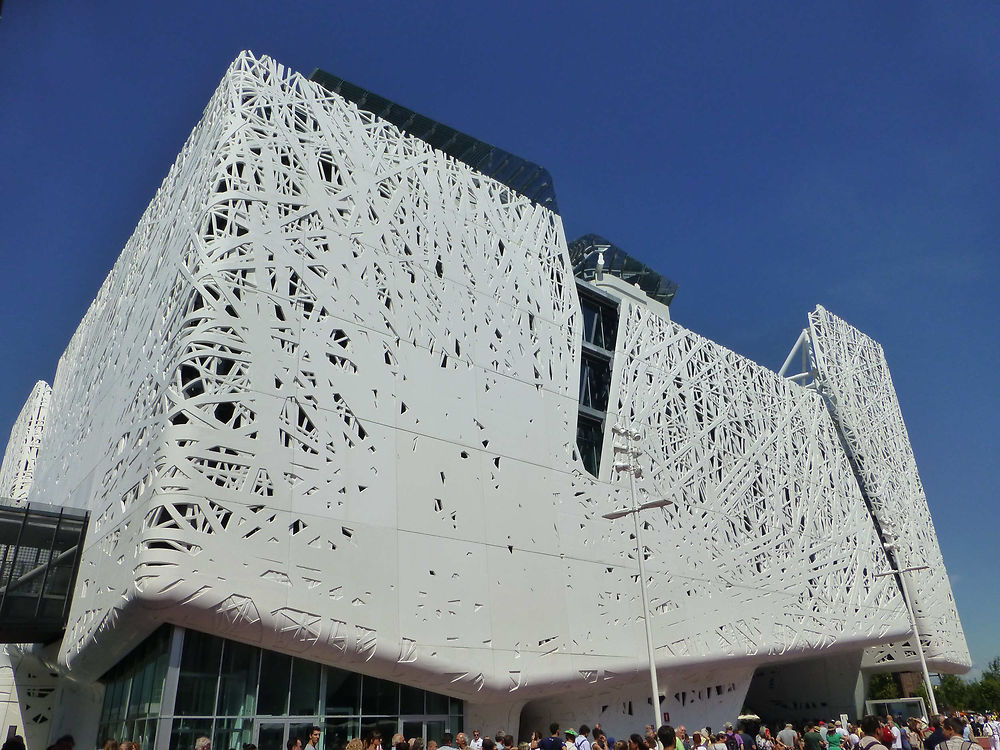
[891,547]
[630,465]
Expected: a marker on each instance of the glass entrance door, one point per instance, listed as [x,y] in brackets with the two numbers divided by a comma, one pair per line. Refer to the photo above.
[413,726]
[271,735]
[274,734]
[428,727]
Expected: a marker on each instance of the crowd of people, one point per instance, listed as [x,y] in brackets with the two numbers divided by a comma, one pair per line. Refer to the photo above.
[958,731]
[955,732]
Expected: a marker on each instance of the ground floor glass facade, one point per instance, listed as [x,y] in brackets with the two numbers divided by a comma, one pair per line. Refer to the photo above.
[181,684]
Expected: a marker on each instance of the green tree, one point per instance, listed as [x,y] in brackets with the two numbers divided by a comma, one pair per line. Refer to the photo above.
[987,692]
[883,686]
[992,672]
[983,694]
[952,693]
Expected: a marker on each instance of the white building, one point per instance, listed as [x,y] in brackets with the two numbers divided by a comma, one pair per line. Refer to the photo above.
[327,416]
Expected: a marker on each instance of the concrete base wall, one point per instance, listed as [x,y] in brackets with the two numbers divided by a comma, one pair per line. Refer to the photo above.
[818,688]
[708,697]
[493,717]
[28,694]
[77,711]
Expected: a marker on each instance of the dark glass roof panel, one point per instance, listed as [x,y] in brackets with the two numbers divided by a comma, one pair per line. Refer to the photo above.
[583,255]
[527,178]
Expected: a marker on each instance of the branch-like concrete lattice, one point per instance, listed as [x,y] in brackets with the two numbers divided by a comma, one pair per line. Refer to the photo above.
[18,469]
[854,375]
[323,365]
[326,402]
[766,512]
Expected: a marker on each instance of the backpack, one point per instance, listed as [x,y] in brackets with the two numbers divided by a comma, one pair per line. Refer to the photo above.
[904,739]
[732,743]
[885,736]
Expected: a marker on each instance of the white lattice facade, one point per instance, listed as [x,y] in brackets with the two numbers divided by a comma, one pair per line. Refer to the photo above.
[759,483]
[18,469]
[855,378]
[326,402]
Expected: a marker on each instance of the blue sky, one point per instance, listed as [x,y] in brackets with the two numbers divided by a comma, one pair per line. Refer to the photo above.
[767,156]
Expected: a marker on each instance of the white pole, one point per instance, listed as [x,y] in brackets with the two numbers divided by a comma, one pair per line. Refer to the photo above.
[791,354]
[920,647]
[651,653]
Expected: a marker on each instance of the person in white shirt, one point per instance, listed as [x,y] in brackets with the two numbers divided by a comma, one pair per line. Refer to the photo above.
[852,735]
[897,738]
[992,729]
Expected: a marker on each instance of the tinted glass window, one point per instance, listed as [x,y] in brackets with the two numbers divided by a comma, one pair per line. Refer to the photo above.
[305,688]
[379,697]
[238,681]
[589,437]
[275,670]
[199,675]
[342,692]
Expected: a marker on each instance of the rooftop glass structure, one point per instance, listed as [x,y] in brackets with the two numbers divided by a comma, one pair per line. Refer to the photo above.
[527,178]
[584,252]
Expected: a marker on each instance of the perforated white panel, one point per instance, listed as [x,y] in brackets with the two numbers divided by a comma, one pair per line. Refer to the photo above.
[768,547]
[18,470]
[326,402]
[343,344]
[855,377]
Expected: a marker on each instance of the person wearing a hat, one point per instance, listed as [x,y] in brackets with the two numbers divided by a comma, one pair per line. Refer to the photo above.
[813,739]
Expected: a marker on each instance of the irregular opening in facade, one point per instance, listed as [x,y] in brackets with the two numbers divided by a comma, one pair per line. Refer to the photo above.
[600,337]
